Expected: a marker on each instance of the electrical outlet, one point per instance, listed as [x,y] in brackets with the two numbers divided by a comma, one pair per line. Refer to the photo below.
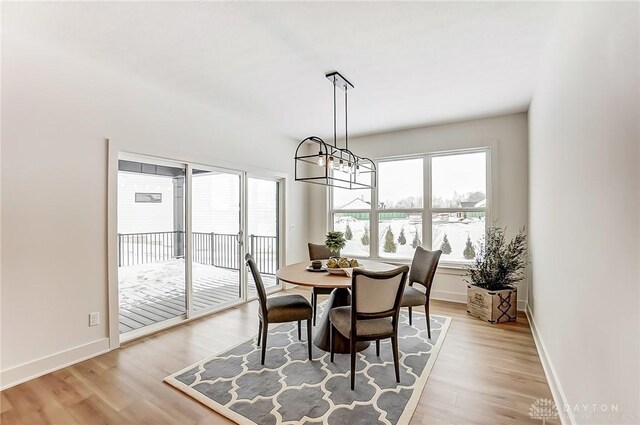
[94,319]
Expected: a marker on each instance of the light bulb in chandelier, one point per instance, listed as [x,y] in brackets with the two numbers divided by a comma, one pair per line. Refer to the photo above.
[321,162]
[341,168]
[331,162]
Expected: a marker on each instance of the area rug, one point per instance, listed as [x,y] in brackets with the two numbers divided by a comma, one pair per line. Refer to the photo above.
[289,389]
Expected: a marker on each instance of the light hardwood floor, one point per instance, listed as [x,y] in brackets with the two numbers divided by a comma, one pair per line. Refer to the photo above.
[485,374]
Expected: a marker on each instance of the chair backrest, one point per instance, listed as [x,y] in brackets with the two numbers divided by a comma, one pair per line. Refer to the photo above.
[257,278]
[423,267]
[377,294]
[320,252]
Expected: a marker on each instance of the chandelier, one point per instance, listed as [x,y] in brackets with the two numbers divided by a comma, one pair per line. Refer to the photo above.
[320,163]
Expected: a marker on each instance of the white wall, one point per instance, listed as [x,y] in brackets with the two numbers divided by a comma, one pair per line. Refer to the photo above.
[57,110]
[508,133]
[584,202]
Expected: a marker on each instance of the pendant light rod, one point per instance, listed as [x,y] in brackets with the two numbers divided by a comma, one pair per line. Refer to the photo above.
[339,81]
[335,120]
[346,120]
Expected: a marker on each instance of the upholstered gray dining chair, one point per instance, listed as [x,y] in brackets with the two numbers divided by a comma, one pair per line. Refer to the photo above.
[319,252]
[423,270]
[286,308]
[373,313]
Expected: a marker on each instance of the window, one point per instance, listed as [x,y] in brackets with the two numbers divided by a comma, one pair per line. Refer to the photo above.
[351,215]
[438,201]
[400,205]
[458,204]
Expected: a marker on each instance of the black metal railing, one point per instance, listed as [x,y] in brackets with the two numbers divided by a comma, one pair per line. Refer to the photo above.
[150,247]
[265,252]
[214,249]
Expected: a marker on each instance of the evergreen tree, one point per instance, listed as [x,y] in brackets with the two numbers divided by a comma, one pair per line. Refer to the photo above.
[446,246]
[389,244]
[365,238]
[402,240]
[348,234]
[469,251]
[416,240]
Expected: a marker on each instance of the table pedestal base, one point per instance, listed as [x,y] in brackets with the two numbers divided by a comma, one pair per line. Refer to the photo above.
[339,297]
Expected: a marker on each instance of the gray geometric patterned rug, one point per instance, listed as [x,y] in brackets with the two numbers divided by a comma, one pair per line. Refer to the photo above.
[289,389]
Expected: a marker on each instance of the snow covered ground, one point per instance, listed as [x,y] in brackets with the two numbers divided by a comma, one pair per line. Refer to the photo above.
[456,228]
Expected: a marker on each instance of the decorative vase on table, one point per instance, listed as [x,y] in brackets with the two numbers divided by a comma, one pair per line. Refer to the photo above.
[498,267]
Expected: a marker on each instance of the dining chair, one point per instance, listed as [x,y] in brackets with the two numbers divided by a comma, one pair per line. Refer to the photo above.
[423,270]
[286,308]
[319,252]
[373,313]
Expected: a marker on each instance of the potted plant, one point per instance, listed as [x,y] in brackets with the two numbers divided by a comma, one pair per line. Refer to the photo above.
[498,266]
[335,241]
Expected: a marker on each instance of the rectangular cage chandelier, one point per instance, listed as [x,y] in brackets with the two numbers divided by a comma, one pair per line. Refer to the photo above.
[331,165]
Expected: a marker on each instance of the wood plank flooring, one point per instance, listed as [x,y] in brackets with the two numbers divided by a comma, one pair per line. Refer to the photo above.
[155,292]
[485,374]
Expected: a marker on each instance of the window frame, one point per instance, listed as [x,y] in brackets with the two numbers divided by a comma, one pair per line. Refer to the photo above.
[427,209]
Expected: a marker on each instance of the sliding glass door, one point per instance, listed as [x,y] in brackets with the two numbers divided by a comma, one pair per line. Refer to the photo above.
[151,243]
[183,231]
[263,207]
[216,223]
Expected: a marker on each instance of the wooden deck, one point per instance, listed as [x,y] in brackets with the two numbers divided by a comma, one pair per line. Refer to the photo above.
[152,293]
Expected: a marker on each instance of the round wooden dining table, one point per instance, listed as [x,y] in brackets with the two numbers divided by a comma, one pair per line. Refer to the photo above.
[340,296]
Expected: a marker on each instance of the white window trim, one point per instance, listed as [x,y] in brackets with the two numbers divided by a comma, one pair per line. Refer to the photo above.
[453,267]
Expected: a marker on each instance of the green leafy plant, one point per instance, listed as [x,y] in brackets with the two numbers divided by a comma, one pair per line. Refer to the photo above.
[335,241]
[469,251]
[499,264]
[389,244]
[365,238]
[445,247]
[348,234]
[416,239]
[402,239]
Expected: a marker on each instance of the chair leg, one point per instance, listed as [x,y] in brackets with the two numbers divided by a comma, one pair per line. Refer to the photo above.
[396,363]
[352,352]
[309,339]
[299,330]
[378,347]
[265,331]
[314,301]
[332,338]
[428,318]
[410,316]
[259,332]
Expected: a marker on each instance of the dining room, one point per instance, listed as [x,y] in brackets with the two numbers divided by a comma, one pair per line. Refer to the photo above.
[319,213]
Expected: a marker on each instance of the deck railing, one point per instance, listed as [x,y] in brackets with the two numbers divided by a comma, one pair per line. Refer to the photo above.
[145,248]
[213,249]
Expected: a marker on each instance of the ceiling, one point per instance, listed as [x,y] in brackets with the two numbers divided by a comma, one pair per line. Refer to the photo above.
[412,64]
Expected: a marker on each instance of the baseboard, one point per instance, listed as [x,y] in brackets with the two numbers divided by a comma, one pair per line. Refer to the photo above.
[461,298]
[33,369]
[566,416]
